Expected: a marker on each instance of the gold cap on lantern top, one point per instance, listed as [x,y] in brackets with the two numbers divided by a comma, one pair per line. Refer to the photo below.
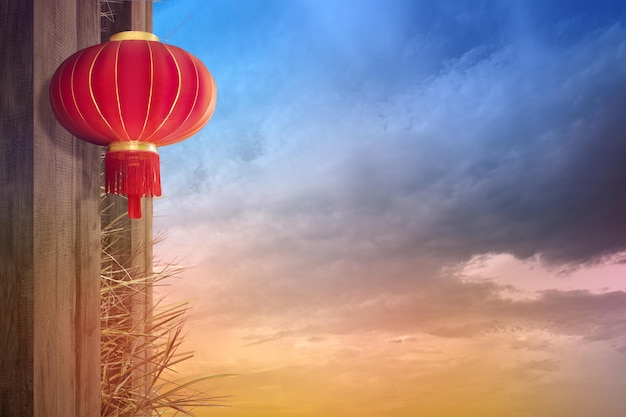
[136,35]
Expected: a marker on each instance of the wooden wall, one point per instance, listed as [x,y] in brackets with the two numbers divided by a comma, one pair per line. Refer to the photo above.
[50,216]
[49,221]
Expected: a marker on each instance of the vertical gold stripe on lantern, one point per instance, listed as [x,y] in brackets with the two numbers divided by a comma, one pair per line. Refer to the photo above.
[149,108]
[117,88]
[72,88]
[65,98]
[177,93]
[195,99]
[207,114]
[93,98]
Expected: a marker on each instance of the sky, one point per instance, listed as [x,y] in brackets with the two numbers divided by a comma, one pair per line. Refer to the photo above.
[403,207]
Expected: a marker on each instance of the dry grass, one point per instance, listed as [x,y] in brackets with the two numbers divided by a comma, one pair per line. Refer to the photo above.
[140,342]
[106,12]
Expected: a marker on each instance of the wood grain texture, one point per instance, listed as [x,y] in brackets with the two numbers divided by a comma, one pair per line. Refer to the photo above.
[16,210]
[49,221]
[87,208]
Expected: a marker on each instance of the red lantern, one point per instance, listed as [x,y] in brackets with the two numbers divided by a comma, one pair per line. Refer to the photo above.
[133,94]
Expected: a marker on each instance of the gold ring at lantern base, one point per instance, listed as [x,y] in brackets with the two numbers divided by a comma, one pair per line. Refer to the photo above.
[134,35]
[132,146]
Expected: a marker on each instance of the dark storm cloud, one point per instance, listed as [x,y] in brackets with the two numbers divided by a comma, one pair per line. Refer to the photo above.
[519,151]
[544,176]
[523,150]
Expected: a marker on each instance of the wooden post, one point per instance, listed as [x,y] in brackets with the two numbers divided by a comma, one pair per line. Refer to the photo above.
[137,239]
[49,221]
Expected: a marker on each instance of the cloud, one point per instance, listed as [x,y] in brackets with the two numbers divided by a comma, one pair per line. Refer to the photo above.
[258,340]
[535,369]
[467,311]
[501,152]
[442,306]
[467,329]
[403,339]
[345,197]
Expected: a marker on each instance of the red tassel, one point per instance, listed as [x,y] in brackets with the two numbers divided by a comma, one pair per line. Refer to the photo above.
[132,173]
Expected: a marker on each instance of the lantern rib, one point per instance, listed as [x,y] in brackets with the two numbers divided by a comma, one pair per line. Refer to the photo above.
[91,94]
[93,132]
[117,89]
[207,114]
[72,89]
[145,122]
[175,99]
[59,95]
[193,107]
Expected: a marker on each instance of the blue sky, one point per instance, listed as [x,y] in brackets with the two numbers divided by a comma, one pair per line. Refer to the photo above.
[449,94]
[430,176]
